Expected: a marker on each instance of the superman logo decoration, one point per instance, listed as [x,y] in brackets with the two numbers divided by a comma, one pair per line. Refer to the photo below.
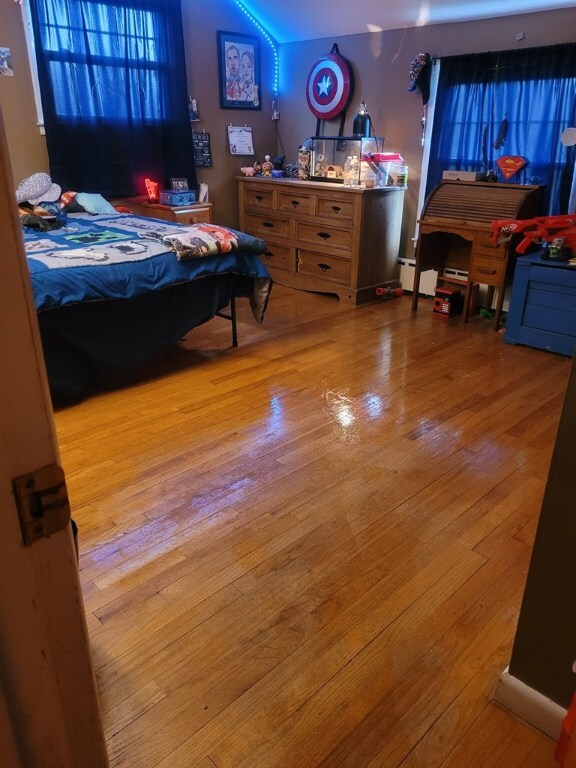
[510,164]
[329,86]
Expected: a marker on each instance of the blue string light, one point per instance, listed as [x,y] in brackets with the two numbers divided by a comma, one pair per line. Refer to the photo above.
[271,42]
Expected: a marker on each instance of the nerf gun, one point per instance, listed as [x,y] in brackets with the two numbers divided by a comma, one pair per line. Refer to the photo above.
[542,229]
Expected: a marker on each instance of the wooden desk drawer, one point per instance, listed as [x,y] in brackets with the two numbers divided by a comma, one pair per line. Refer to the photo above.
[296,202]
[326,267]
[486,271]
[256,197]
[329,238]
[485,245]
[264,225]
[279,256]
[335,208]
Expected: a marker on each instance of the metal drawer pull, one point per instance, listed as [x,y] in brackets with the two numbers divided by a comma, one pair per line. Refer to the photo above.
[324,235]
[486,271]
[259,198]
[324,267]
[336,208]
[294,203]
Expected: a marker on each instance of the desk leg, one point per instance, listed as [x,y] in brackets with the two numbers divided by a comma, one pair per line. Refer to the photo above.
[416,287]
[467,298]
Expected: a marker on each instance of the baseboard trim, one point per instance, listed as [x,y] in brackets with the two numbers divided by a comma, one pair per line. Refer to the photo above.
[534,707]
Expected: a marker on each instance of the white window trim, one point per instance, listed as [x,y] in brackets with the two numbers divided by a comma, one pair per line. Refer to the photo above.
[426,139]
[29,35]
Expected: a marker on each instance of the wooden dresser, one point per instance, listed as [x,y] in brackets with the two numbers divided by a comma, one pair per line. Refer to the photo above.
[195,213]
[325,237]
[456,234]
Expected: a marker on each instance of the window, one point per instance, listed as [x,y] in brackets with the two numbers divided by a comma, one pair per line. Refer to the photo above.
[112,79]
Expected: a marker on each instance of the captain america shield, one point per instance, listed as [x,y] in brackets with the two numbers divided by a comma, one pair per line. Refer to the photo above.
[329,86]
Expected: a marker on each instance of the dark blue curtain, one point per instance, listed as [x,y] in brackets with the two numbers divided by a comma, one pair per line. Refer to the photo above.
[508,103]
[114,93]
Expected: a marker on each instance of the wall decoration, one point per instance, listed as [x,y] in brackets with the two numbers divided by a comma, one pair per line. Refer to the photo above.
[202,151]
[6,62]
[330,85]
[239,71]
[240,140]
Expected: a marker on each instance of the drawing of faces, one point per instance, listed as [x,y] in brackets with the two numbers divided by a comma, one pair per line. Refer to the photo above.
[247,71]
[233,60]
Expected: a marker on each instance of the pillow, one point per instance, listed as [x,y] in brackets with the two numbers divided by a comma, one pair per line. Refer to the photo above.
[94,203]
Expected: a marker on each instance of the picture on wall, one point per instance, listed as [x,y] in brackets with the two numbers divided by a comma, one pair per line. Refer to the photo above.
[239,71]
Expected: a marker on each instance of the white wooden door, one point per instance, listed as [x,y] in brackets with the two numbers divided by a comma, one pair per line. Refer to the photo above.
[49,713]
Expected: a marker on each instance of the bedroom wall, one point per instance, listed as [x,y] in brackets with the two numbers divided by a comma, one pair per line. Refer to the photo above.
[27,147]
[380,62]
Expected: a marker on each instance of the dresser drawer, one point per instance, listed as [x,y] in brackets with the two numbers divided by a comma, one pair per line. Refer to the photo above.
[486,270]
[264,225]
[192,216]
[256,197]
[334,207]
[326,267]
[296,202]
[328,237]
[279,256]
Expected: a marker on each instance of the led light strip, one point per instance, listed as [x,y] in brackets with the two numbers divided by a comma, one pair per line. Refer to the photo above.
[270,40]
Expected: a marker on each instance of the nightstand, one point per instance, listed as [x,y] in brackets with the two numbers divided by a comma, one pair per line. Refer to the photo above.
[195,213]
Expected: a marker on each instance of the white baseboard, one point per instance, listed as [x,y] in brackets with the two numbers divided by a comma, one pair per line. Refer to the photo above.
[534,707]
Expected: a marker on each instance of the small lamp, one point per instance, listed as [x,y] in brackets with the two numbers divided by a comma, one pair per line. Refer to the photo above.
[362,125]
[152,190]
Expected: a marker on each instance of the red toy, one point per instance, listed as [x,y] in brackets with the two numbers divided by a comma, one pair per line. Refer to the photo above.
[389,293]
[542,229]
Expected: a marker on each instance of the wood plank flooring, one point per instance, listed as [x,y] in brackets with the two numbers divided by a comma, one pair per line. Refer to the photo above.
[310,551]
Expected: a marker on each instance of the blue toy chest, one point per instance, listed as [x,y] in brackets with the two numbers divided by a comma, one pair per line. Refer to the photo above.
[177,197]
[542,311]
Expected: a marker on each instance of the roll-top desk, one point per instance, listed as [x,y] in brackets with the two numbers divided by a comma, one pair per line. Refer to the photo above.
[456,233]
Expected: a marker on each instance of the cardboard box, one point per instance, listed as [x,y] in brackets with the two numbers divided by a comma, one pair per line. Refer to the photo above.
[173,197]
[462,176]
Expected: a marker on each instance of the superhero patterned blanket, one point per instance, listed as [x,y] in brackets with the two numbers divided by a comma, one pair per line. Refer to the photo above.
[93,258]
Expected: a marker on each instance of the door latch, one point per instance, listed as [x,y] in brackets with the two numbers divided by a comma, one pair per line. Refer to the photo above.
[42,503]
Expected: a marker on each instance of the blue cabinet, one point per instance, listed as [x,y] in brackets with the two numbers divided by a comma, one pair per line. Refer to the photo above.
[542,311]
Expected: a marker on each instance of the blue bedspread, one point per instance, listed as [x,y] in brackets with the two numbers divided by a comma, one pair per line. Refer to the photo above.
[94,258]
[110,297]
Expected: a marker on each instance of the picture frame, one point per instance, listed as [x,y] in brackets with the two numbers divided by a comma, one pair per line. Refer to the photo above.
[239,71]
[179,185]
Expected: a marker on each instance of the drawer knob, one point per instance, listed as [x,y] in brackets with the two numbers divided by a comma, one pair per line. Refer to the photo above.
[324,267]
[259,198]
[294,203]
[324,235]
[336,208]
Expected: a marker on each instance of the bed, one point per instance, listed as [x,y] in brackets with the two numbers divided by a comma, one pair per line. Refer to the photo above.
[113,290]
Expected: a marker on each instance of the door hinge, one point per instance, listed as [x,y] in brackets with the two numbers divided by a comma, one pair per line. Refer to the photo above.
[42,502]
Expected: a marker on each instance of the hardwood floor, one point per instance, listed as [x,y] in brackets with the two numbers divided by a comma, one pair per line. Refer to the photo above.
[310,551]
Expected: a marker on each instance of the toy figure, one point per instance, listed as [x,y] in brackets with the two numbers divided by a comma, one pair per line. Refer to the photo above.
[257,168]
[266,166]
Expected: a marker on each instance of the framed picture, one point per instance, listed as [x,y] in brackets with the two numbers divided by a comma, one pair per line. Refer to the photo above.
[239,71]
[179,185]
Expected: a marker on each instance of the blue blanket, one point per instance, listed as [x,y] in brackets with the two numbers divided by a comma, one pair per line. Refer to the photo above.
[94,258]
